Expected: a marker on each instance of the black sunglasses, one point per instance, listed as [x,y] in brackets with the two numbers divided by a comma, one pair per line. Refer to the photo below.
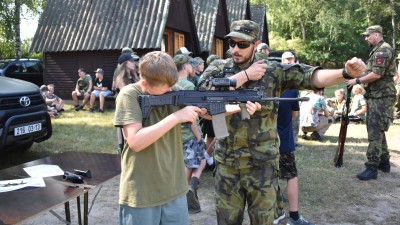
[240,44]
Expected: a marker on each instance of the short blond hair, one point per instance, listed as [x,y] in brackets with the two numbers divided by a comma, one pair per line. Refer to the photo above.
[158,68]
[341,90]
[358,87]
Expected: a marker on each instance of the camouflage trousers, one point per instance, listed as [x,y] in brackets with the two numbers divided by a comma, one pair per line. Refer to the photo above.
[257,186]
[379,118]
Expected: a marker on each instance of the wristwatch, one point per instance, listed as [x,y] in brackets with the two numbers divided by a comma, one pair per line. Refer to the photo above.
[358,80]
[345,74]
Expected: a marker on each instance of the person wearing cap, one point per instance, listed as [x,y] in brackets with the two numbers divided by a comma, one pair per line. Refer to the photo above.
[126,73]
[101,89]
[183,50]
[288,58]
[83,88]
[211,58]
[193,143]
[125,52]
[247,160]
[196,65]
[380,93]
[262,47]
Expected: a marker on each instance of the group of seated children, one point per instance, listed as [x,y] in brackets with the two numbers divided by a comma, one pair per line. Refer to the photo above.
[54,103]
[89,90]
[320,112]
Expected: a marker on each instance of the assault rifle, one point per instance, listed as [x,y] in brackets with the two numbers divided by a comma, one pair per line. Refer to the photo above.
[214,101]
[344,121]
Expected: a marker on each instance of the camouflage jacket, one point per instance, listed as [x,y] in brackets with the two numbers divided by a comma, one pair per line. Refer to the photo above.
[382,60]
[256,141]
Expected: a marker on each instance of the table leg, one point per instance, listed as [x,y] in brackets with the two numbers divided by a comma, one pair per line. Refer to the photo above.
[67,213]
[86,207]
[78,206]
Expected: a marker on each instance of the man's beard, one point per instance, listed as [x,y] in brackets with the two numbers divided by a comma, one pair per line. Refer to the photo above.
[245,59]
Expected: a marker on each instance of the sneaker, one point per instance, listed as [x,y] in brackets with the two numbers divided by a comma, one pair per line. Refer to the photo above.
[281,217]
[209,159]
[193,202]
[100,111]
[91,110]
[300,221]
[79,107]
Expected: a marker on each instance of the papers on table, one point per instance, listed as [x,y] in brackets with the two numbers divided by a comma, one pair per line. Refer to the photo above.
[12,185]
[44,170]
[36,180]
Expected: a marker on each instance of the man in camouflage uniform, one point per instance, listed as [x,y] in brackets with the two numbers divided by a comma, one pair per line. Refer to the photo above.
[380,94]
[247,160]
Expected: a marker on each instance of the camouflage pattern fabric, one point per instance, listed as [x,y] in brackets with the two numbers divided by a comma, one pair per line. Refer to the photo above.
[255,141]
[258,186]
[287,166]
[193,152]
[381,61]
[380,94]
[244,29]
[211,58]
[378,121]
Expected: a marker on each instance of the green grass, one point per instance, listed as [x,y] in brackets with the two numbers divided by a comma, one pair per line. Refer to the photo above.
[72,131]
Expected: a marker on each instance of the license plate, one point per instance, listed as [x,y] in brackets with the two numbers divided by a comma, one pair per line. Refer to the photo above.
[27,129]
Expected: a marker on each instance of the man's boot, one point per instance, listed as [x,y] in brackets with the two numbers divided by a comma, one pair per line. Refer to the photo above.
[370,172]
[384,165]
[192,198]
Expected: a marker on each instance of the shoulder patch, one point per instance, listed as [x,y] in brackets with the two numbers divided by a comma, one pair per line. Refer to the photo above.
[379,61]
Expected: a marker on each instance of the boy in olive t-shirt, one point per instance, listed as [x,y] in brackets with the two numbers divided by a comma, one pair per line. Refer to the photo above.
[153,184]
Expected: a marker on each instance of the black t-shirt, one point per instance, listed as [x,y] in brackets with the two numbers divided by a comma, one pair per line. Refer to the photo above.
[104,83]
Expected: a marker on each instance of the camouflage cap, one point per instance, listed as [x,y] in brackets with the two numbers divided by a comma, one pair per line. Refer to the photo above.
[211,58]
[244,29]
[373,29]
[181,59]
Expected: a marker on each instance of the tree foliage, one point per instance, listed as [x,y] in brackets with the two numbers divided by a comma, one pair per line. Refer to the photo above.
[10,17]
[325,32]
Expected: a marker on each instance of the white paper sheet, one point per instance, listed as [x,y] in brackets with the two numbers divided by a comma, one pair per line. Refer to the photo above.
[12,185]
[44,170]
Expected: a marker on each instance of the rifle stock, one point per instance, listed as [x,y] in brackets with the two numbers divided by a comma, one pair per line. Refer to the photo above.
[338,159]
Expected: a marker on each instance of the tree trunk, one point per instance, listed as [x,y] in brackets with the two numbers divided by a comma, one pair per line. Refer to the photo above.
[393,24]
[17,16]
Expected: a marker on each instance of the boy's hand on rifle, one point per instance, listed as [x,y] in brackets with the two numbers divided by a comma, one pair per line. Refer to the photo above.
[189,114]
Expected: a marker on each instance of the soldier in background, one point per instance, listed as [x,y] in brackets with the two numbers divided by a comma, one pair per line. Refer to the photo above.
[380,93]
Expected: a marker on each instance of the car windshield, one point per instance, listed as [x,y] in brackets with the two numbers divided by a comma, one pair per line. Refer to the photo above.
[3,64]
